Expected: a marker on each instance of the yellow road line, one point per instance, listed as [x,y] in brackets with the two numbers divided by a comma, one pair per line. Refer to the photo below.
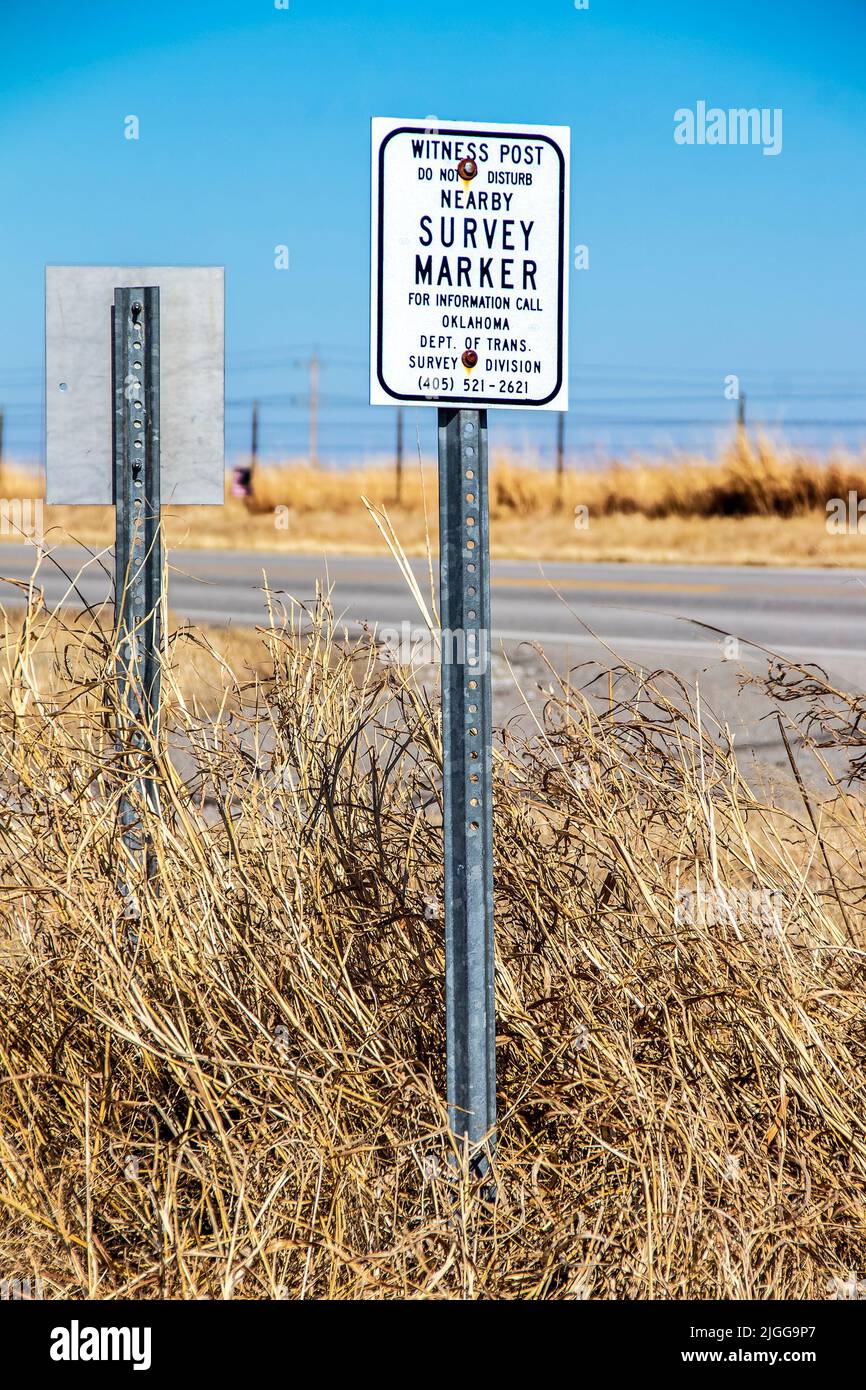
[639,585]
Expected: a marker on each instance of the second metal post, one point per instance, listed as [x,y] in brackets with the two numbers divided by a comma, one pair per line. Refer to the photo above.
[138,547]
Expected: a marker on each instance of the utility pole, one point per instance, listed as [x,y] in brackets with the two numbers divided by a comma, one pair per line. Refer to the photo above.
[1,435]
[314,411]
[399,454]
[741,412]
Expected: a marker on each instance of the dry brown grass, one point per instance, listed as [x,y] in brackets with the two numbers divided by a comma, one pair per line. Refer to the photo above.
[239,1093]
[756,504]
[751,478]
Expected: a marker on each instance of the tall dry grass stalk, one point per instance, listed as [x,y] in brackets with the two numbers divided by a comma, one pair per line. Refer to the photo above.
[239,1092]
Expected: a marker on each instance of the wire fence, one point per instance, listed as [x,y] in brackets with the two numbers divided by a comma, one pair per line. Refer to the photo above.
[311,403]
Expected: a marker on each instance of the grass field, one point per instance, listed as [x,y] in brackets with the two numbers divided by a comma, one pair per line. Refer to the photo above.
[756,504]
[226,1079]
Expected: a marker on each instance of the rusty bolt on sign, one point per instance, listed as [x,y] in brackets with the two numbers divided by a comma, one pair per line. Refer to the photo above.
[467,169]
[469,359]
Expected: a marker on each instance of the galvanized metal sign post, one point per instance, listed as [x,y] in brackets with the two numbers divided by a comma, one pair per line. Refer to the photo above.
[138,540]
[134,416]
[469,309]
[467,725]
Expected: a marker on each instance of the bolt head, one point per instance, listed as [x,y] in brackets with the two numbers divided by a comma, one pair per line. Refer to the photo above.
[467,169]
[470,358]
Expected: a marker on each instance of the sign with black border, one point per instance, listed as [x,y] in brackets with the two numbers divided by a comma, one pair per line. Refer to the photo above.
[469,284]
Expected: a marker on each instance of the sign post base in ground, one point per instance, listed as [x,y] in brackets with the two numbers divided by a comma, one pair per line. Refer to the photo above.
[467,735]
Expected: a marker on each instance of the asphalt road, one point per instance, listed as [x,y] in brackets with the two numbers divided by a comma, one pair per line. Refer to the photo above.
[648,614]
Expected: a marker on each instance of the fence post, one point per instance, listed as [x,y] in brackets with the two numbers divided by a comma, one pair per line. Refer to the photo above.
[138,545]
[399,455]
[560,453]
[314,411]
[467,739]
[242,474]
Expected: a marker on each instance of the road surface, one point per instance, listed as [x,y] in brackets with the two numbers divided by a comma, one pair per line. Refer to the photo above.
[648,614]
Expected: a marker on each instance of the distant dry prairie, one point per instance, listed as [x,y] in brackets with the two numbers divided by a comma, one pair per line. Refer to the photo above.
[757,503]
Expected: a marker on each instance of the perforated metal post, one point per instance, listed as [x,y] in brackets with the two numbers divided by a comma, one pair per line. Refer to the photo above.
[138,548]
[467,730]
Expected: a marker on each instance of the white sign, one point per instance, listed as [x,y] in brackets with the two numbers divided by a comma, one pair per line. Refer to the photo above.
[78,387]
[469,303]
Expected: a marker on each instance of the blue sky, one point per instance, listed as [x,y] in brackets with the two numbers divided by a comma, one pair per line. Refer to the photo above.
[255,132]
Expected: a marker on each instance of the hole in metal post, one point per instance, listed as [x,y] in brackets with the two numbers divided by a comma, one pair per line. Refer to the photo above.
[62,386]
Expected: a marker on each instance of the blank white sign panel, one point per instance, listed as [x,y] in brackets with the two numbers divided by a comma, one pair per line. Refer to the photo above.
[78,366]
